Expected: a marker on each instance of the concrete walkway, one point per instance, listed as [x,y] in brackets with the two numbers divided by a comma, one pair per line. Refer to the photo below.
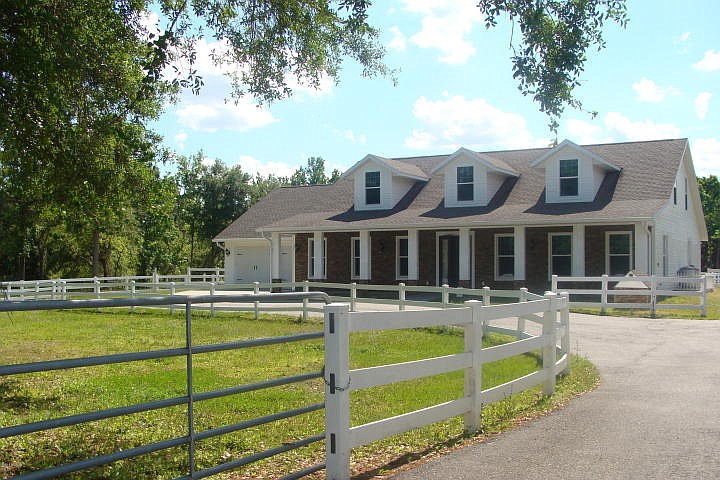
[656,414]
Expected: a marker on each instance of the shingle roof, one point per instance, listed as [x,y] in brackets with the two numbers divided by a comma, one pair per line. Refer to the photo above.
[637,192]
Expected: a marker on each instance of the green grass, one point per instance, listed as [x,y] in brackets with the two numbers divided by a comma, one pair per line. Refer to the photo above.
[713,308]
[36,336]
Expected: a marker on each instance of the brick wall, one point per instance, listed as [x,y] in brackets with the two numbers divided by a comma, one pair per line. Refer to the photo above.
[595,247]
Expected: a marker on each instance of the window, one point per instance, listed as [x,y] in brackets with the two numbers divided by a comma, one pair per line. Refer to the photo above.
[504,257]
[619,253]
[675,193]
[372,188]
[569,178]
[401,253]
[311,257]
[465,185]
[355,257]
[686,194]
[560,247]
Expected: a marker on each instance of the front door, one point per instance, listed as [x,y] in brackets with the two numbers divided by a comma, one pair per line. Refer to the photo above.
[449,260]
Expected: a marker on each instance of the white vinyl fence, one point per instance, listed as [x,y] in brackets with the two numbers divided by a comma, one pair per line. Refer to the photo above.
[550,311]
[637,292]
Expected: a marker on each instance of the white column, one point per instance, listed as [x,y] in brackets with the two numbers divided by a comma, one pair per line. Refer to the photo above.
[578,251]
[364,255]
[641,248]
[464,254]
[413,260]
[519,234]
[274,256]
[319,265]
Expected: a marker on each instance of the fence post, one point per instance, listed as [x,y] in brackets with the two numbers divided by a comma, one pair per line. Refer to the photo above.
[703,286]
[217,274]
[486,296]
[306,288]
[549,331]
[53,289]
[188,276]
[132,294]
[155,280]
[553,286]
[353,297]
[445,295]
[604,295]
[96,287]
[337,391]
[212,305]
[8,292]
[653,295]
[63,289]
[256,291]
[565,322]
[401,296]
[521,320]
[172,292]
[473,374]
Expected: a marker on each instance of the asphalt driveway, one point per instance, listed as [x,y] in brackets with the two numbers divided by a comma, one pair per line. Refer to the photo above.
[656,414]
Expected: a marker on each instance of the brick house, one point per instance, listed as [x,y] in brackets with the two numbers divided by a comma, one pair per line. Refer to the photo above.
[504,219]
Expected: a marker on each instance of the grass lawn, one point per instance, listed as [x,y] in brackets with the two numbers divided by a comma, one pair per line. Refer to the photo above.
[713,308]
[37,336]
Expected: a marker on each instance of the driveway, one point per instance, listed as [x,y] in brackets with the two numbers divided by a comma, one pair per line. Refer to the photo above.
[656,414]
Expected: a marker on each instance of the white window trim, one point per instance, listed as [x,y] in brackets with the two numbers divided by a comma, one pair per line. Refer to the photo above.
[397,257]
[379,188]
[550,254]
[576,177]
[353,256]
[503,278]
[458,183]
[311,259]
[608,233]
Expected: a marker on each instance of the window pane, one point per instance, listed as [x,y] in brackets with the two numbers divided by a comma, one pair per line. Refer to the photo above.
[619,264]
[356,266]
[619,244]
[356,247]
[403,247]
[464,174]
[372,196]
[506,245]
[465,192]
[403,267]
[569,168]
[372,179]
[506,266]
[568,187]
[562,265]
[561,244]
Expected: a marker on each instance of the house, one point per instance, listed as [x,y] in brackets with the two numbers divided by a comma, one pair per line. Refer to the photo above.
[504,219]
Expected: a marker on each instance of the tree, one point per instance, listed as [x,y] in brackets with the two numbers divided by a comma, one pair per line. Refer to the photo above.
[313,173]
[710,198]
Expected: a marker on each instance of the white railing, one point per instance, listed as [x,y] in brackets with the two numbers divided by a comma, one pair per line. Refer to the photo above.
[636,292]
[714,274]
[475,318]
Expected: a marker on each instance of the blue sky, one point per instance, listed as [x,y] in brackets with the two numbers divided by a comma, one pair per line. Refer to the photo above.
[658,78]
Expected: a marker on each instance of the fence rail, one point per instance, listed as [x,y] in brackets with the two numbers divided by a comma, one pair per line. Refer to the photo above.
[474,316]
[638,292]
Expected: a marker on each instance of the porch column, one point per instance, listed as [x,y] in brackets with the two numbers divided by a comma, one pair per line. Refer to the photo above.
[364,255]
[275,257]
[519,234]
[464,257]
[641,248]
[578,251]
[319,265]
[413,260]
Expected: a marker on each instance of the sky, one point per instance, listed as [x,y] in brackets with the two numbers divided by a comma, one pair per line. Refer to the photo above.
[657,78]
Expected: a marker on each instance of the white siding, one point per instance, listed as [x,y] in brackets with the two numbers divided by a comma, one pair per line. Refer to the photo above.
[590,176]
[681,227]
[480,180]
[249,260]
[392,188]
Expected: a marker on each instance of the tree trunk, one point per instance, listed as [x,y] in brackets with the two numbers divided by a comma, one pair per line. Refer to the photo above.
[96,252]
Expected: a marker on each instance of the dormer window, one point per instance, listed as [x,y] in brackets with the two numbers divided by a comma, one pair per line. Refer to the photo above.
[372,188]
[569,178]
[465,184]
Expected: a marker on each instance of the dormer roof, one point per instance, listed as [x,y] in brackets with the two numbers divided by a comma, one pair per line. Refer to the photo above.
[489,162]
[596,159]
[400,169]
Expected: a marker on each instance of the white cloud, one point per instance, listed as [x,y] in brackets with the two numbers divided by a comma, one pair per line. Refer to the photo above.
[582,132]
[214,116]
[649,91]
[709,63]
[254,166]
[702,104]
[706,156]
[444,26]
[180,139]
[621,128]
[350,135]
[684,37]
[474,123]
[398,42]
